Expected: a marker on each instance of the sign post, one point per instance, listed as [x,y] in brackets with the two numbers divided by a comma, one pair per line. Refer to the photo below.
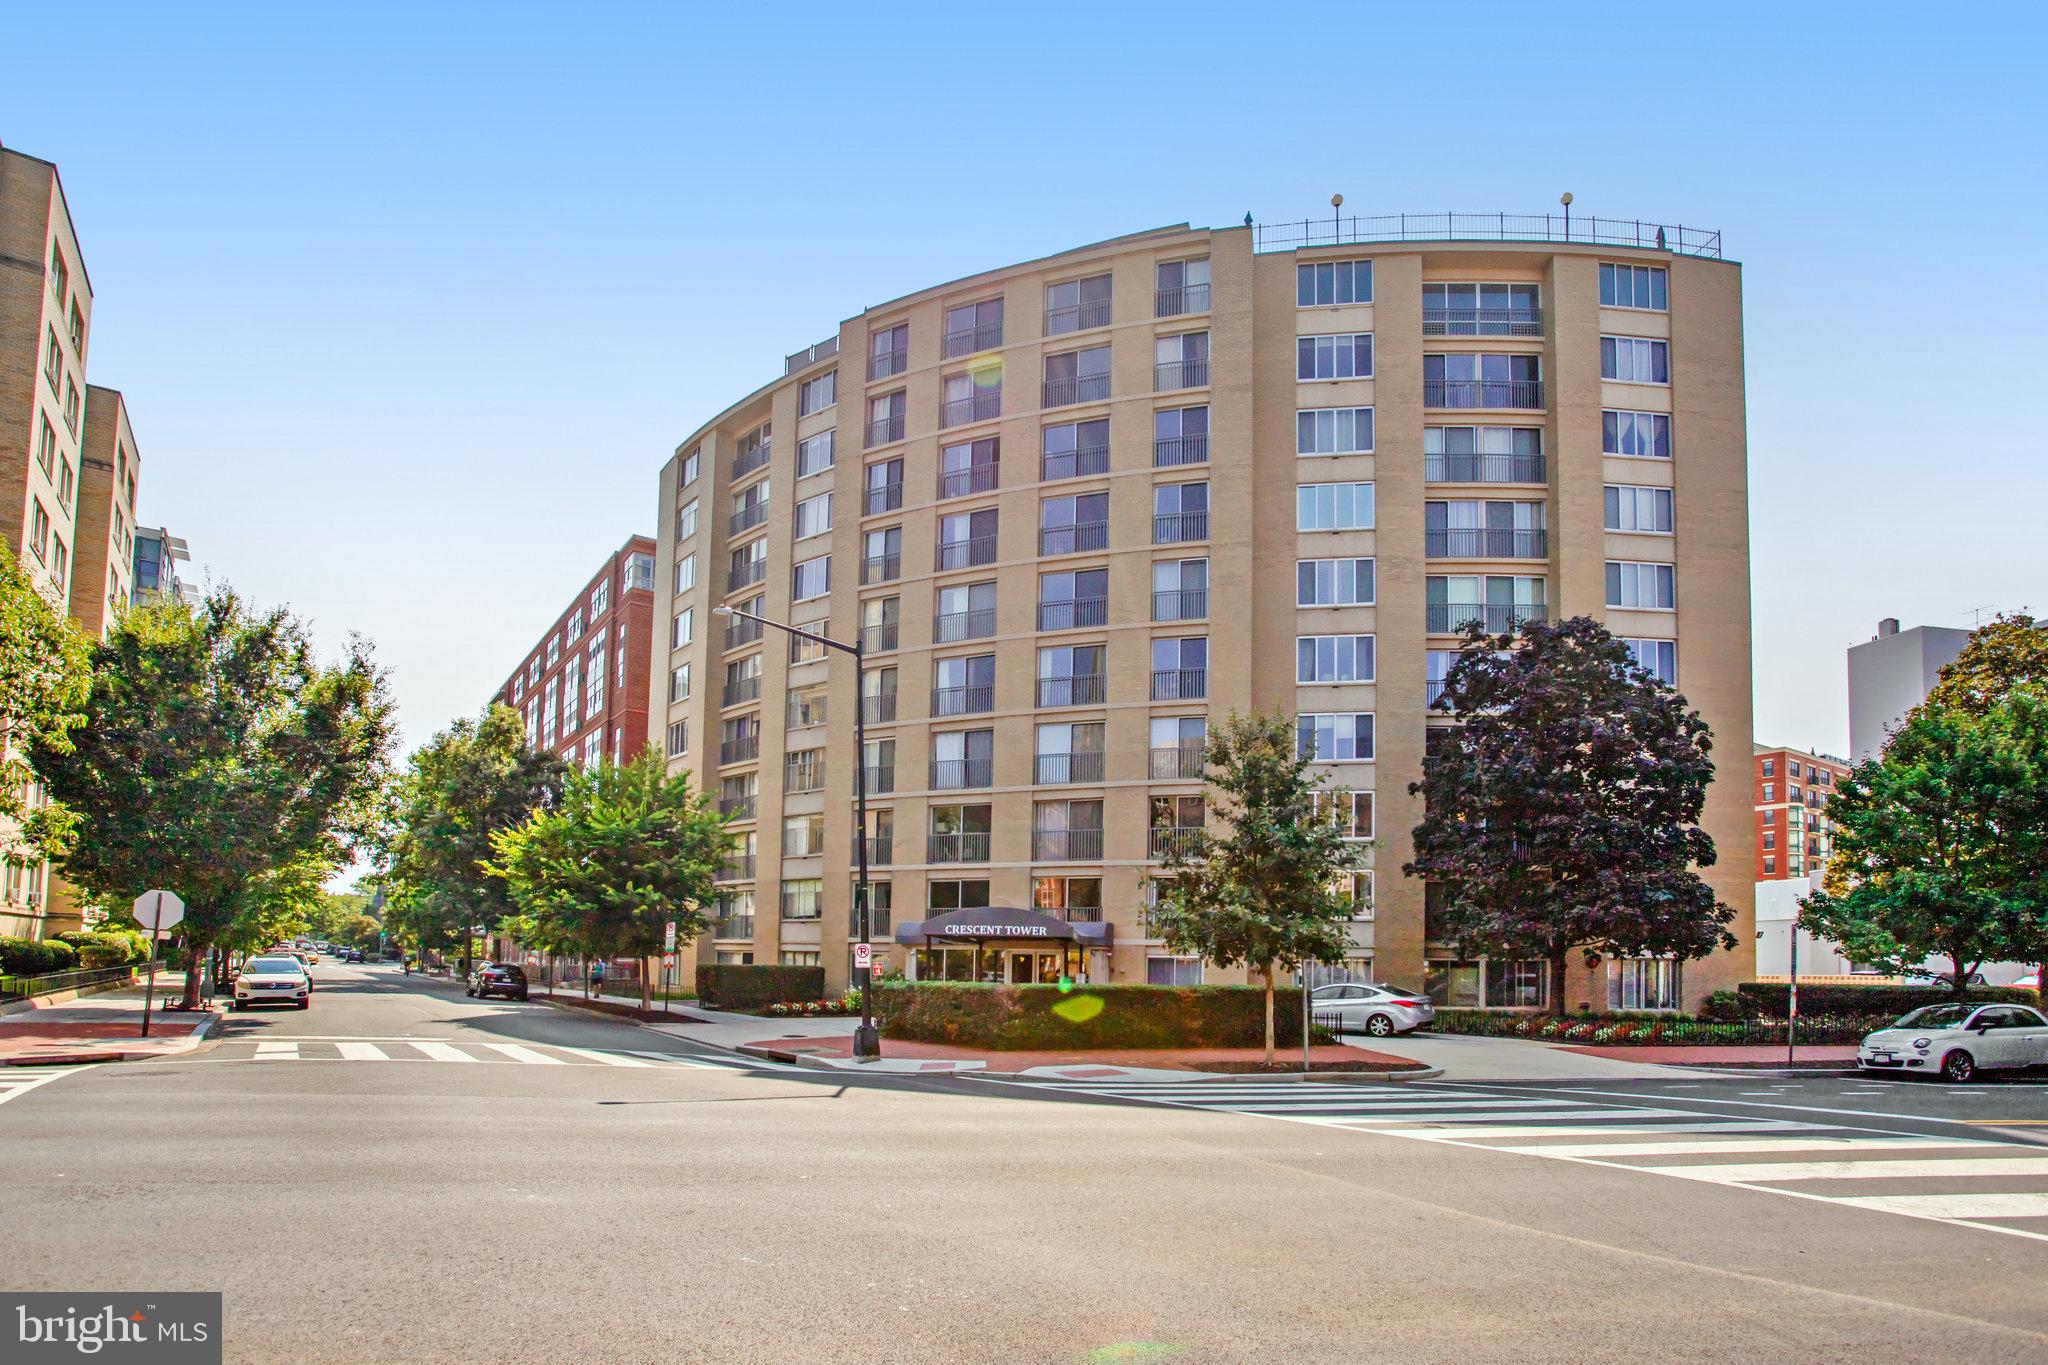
[155,911]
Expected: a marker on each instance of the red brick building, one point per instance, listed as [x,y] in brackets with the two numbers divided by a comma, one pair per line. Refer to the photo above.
[582,688]
[1791,790]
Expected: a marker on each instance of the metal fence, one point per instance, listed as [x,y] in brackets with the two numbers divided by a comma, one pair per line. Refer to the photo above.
[1487,227]
[23,987]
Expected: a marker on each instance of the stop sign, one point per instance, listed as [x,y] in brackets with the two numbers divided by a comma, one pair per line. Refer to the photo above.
[158,910]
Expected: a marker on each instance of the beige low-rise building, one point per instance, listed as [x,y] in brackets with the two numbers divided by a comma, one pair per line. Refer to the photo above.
[1077,507]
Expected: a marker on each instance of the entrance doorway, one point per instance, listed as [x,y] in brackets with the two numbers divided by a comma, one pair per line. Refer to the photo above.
[1034,967]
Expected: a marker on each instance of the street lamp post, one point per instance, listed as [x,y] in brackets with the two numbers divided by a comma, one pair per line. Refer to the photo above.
[867,1041]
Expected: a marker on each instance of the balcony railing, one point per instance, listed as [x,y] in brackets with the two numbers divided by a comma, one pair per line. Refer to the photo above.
[1480,542]
[1180,684]
[1075,689]
[1180,604]
[1067,845]
[1168,451]
[1173,528]
[1482,393]
[733,927]
[1179,374]
[885,498]
[880,777]
[878,708]
[745,690]
[881,568]
[1063,769]
[956,848]
[881,849]
[1166,841]
[738,868]
[953,774]
[1075,614]
[1482,322]
[736,807]
[974,408]
[803,713]
[747,461]
[883,430]
[1182,763]
[1075,388]
[740,750]
[1330,230]
[984,336]
[1077,317]
[1076,538]
[803,777]
[963,701]
[966,554]
[742,632]
[746,575]
[964,625]
[879,639]
[885,363]
[1074,464]
[1444,618]
[1432,693]
[976,478]
[747,518]
[1477,468]
[810,355]
[1189,298]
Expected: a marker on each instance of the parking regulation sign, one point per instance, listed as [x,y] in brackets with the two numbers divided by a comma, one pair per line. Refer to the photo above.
[862,956]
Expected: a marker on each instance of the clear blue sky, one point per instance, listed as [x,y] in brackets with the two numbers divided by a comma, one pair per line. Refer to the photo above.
[411,302]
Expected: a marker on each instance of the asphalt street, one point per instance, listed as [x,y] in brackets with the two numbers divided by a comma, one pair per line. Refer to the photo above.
[403,1174]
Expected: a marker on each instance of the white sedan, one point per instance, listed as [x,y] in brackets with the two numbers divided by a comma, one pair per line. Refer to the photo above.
[273,979]
[1956,1041]
[1381,1011]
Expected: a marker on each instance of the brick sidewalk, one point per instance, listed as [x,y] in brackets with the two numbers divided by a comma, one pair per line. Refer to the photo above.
[105,1028]
[1671,1054]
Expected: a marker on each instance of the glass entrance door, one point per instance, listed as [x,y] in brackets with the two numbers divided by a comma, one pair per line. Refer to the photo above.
[1034,967]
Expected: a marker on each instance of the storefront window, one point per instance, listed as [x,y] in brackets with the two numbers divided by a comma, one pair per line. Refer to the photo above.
[1642,983]
[1454,985]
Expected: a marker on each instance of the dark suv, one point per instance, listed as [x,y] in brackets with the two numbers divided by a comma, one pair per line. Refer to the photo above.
[498,978]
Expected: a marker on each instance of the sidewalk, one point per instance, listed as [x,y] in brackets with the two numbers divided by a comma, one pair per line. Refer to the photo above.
[106,1028]
[1220,1064]
[1763,1055]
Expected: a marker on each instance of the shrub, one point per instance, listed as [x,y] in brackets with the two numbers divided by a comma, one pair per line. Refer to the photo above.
[729,986]
[106,950]
[1770,998]
[1726,1006]
[1045,1017]
[32,957]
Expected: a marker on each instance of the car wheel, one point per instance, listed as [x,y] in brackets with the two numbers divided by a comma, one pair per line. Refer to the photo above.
[1380,1026]
[305,1004]
[521,995]
[470,991]
[1959,1067]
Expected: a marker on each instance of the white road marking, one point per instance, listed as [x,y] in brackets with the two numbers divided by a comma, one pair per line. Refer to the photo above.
[1773,1172]
[444,1052]
[1780,1144]
[362,1052]
[525,1054]
[608,1058]
[15,1083]
[1478,1137]
[1948,1206]
[277,1050]
[697,1063]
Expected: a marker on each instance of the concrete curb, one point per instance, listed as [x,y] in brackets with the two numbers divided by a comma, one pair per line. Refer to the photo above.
[980,1071]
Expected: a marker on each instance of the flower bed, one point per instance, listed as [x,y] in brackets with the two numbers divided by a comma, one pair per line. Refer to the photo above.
[815,1009]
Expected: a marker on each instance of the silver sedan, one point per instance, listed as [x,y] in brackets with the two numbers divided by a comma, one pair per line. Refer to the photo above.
[1957,1040]
[1381,1011]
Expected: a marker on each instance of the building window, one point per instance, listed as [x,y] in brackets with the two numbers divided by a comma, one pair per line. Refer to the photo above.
[1173,971]
[53,361]
[1071,675]
[1180,589]
[639,571]
[964,686]
[1074,305]
[964,612]
[1481,310]
[686,575]
[1648,586]
[601,596]
[1471,380]
[1635,507]
[1331,282]
[593,687]
[1179,436]
[1333,507]
[1347,355]
[1180,668]
[1180,362]
[1076,377]
[815,395]
[64,484]
[692,465]
[686,520]
[803,771]
[60,283]
[60,562]
[1770,866]
[1333,659]
[1770,839]
[801,897]
[1073,599]
[974,396]
[969,467]
[1343,737]
[814,454]
[1635,360]
[972,327]
[1180,287]
[1659,658]
[967,539]
[46,448]
[1482,454]
[1633,286]
[958,895]
[1352,811]
[1073,449]
[684,629]
[1180,512]
[889,351]
[1643,983]
[1643,435]
[1075,899]
[1333,583]
[1333,431]
[813,516]
[575,626]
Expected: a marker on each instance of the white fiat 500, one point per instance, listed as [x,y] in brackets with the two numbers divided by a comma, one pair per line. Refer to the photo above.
[1956,1041]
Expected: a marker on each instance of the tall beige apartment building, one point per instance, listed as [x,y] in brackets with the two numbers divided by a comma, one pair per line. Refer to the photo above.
[1076,508]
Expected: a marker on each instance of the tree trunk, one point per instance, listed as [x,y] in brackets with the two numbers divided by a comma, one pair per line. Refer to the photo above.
[646,986]
[195,954]
[1557,965]
[1269,1014]
[1959,976]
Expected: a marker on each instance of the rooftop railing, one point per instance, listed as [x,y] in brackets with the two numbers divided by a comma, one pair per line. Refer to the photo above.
[810,355]
[1360,229]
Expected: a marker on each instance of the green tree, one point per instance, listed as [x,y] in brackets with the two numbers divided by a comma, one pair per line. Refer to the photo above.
[45,674]
[1562,812]
[1940,843]
[1268,891]
[2006,652]
[218,758]
[624,851]
[475,779]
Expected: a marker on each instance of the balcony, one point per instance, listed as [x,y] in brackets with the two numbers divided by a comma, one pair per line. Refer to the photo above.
[1474,468]
[1182,763]
[885,498]
[802,714]
[748,517]
[747,461]
[881,850]
[956,848]
[885,363]
[1181,604]
[1077,317]
[1074,464]
[1482,322]
[1170,451]
[879,639]
[733,927]
[963,701]
[1432,693]
[746,575]
[1189,298]
[803,778]
[742,632]
[1170,841]
[1179,374]
[966,554]
[883,430]
[955,774]
[1075,689]
[736,807]
[1482,393]
[881,569]
[1077,538]
[1477,542]
[985,336]
[1055,770]
[1177,528]
[963,625]
[1075,614]
[740,750]
[745,690]
[738,868]
[976,478]
[978,407]
[1445,618]
[1067,845]
[880,778]
[1071,389]
[878,708]
[1180,684]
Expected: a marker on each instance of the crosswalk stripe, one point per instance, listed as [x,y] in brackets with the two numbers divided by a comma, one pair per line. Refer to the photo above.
[1352,1106]
[1781,1144]
[274,1050]
[1770,1172]
[608,1058]
[525,1054]
[1479,1137]
[1465,1121]
[362,1052]
[444,1052]
[1954,1205]
[22,1082]
[699,1063]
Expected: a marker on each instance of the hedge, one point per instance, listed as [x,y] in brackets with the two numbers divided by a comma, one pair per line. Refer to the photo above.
[30,957]
[1016,1018]
[729,986]
[1647,1029]
[1769,998]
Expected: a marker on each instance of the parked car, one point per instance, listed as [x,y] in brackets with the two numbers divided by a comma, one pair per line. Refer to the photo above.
[2030,982]
[353,955]
[1381,1011]
[273,979]
[1922,976]
[1957,1040]
[498,978]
